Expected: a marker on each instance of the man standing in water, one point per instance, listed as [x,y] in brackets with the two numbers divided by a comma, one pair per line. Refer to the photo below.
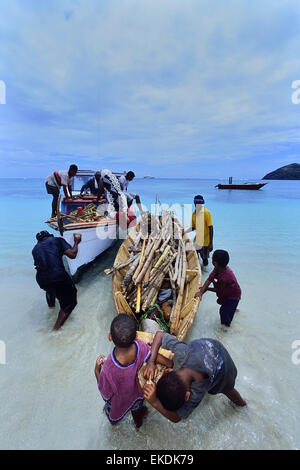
[51,275]
[202,223]
[57,179]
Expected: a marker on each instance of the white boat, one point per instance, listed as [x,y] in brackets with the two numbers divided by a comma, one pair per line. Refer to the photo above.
[96,237]
[149,177]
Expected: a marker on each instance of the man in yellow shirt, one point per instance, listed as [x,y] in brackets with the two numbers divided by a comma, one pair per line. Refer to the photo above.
[202,223]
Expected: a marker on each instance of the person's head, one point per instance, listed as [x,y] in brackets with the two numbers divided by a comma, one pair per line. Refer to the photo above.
[130,175]
[40,236]
[198,200]
[122,330]
[171,391]
[220,258]
[73,170]
[97,175]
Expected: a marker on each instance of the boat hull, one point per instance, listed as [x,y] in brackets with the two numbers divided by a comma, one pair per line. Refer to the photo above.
[241,186]
[94,241]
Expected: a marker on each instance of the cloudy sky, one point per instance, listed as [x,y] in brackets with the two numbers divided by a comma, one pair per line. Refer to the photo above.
[171,88]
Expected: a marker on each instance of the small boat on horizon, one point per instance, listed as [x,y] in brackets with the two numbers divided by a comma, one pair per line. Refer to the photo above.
[246,186]
[149,177]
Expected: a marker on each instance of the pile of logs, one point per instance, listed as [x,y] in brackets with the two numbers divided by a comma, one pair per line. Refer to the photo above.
[88,213]
[157,257]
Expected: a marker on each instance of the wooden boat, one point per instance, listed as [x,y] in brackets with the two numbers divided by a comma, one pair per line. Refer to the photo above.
[246,186]
[155,259]
[241,186]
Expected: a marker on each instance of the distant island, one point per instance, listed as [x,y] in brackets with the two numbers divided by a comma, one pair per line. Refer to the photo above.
[288,172]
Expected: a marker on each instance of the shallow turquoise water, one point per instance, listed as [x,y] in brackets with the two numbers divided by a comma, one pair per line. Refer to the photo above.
[261,231]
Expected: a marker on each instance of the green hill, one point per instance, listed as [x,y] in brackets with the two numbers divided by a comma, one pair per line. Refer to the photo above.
[288,172]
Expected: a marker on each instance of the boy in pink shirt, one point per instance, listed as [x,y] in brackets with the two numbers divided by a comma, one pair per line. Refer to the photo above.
[225,286]
[117,375]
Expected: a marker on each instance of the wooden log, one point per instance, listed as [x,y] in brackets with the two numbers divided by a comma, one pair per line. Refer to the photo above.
[122,265]
[128,276]
[138,278]
[176,316]
[177,263]
[138,297]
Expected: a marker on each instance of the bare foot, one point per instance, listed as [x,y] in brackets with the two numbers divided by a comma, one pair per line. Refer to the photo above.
[235,397]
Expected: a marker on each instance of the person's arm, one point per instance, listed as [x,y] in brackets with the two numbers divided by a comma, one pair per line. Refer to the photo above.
[164,361]
[70,190]
[149,391]
[211,236]
[98,366]
[204,288]
[72,252]
[188,230]
[65,190]
[100,189]
[84,187]
[150,369]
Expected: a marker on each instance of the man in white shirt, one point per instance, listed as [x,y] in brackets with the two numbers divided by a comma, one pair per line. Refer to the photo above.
[57,179]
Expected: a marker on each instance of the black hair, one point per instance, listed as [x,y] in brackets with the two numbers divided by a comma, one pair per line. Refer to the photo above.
[42,235]
[123,330]
[221,257]
[130,174]
[199,198]
[170,391]
[73,167]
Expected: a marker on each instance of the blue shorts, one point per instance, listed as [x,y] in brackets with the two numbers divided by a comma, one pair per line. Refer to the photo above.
[227,311]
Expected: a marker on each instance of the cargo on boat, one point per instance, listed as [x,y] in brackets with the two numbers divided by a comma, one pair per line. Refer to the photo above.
[156,275]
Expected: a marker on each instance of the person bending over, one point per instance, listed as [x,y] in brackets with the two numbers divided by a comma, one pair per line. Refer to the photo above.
[225,286]
[51,275]
[58,179]
[205,366]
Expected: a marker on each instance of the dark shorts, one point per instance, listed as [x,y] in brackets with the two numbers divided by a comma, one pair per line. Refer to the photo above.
[227,311]
[52,190]
[65,292]
[204,252]
[226,377]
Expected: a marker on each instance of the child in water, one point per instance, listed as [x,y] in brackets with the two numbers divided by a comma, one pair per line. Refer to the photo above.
[117,375]
[225,286]
[204,366]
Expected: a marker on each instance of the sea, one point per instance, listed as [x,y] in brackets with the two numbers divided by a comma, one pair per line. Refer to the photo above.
[48,394]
